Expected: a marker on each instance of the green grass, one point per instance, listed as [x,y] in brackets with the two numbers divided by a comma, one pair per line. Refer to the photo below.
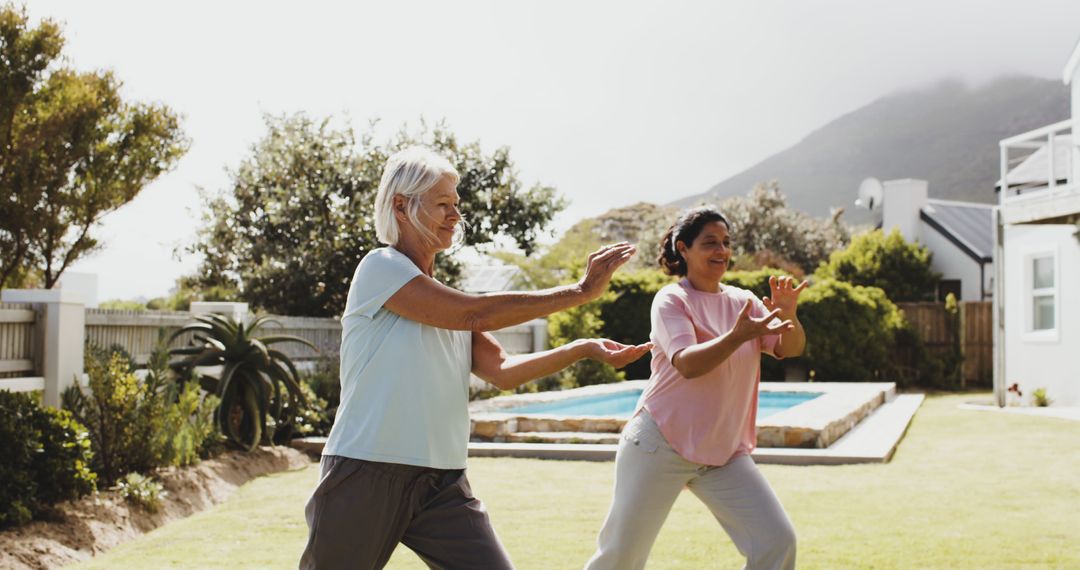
[965,490]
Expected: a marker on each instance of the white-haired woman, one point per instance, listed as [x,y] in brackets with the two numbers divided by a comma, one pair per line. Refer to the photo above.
[393,469]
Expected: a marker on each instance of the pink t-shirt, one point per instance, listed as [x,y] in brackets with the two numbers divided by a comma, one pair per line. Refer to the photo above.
[710,419]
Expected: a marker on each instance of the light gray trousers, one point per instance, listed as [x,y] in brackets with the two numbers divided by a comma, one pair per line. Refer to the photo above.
[649,475]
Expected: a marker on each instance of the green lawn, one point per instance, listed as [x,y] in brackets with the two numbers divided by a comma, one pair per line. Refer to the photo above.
[965,490]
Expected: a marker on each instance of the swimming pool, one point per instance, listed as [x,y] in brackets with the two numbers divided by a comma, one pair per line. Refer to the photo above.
[622,404]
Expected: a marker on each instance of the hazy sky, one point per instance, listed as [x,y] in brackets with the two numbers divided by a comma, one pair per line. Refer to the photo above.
[610,102]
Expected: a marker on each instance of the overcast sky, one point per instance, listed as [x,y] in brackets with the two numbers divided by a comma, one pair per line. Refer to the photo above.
[610,102]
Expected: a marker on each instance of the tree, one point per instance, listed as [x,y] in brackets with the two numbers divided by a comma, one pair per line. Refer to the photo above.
[763,226]
[641,224]
[299,215]
[888,262]
[71,151]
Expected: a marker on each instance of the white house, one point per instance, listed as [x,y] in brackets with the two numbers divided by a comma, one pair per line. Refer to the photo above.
[959,234]
[1037,245]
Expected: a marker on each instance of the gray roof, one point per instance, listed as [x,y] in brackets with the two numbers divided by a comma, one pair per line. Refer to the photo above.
[969,226]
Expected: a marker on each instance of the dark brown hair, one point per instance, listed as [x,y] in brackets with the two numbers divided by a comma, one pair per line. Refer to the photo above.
[685,229]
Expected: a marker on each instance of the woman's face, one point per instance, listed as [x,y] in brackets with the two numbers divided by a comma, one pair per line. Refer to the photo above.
[439,212]
[709,255]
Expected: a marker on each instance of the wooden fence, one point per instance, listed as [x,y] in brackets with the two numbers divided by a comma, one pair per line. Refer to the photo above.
[975,328]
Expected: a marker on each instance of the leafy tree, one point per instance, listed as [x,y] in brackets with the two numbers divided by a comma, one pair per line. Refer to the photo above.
[299,215]
[761,223]
[188,290]
[71,151]
[122,305]
[888,262]
[642,224]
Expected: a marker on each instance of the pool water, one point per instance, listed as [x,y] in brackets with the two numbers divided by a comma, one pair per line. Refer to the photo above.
[622,404]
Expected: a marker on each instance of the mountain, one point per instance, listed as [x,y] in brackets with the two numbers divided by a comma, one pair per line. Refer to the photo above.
[947,134]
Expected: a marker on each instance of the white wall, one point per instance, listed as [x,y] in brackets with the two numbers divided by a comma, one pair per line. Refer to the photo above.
[1076,124]
[1052,362]
[952,263]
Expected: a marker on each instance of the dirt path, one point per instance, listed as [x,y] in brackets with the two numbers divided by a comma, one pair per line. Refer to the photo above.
[95,524]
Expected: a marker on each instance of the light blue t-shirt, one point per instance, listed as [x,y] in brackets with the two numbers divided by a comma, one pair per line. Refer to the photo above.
[404,385]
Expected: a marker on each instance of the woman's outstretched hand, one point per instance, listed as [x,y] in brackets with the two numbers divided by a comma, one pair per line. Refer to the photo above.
[614,353]
[784,295]
[601,264]
[748,328]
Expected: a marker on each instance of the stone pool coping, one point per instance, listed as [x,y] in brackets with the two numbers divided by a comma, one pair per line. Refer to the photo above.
[874,440]
[813,424]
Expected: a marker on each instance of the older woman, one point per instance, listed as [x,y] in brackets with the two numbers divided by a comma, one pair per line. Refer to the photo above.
[393,469]
[695,423]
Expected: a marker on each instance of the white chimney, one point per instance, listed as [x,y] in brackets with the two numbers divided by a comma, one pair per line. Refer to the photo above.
[901,202]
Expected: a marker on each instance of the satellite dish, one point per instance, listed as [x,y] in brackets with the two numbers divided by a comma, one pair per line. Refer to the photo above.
[870,193]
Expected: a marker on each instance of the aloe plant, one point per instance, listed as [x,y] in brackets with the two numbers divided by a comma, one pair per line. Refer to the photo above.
[258,385]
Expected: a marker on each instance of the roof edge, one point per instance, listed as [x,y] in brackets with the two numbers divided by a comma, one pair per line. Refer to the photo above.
[944,202]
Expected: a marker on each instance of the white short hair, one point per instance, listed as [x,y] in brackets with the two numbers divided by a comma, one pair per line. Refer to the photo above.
[409,172]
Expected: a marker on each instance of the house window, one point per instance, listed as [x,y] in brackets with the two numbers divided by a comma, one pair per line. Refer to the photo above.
[1043,293]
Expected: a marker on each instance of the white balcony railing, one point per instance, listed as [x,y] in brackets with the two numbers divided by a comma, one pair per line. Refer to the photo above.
[1038,181]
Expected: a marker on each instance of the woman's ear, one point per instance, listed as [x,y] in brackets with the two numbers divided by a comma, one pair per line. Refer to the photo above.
[680,248]
[399,209]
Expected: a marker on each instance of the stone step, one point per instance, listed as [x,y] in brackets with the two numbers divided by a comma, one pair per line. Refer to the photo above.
[561,437]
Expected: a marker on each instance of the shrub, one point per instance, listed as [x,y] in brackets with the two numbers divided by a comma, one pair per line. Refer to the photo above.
[621,314]
[322,388]
[188,430]
[1040,398]
[756,281]
[46,458]
[138,426]
[582,321]
[142,491]
[888,262]
[120,416]
[626,317]
[850,331]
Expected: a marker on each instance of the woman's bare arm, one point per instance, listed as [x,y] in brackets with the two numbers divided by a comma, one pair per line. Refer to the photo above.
[493,364]
[427,301]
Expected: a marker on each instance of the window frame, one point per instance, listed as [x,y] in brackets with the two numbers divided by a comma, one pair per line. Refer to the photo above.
[1032,334]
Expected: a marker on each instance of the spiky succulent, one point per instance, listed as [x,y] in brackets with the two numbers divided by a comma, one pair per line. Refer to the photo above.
[258,385]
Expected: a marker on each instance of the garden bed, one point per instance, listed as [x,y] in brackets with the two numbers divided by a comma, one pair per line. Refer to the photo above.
[80,529]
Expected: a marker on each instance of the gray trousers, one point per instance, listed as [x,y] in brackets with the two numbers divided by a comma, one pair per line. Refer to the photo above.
[361,510]
[649,475]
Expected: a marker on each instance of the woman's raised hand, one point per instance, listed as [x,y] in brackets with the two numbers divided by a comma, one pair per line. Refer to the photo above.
[784,295]
[614,353]
[601,264]
[748,328]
